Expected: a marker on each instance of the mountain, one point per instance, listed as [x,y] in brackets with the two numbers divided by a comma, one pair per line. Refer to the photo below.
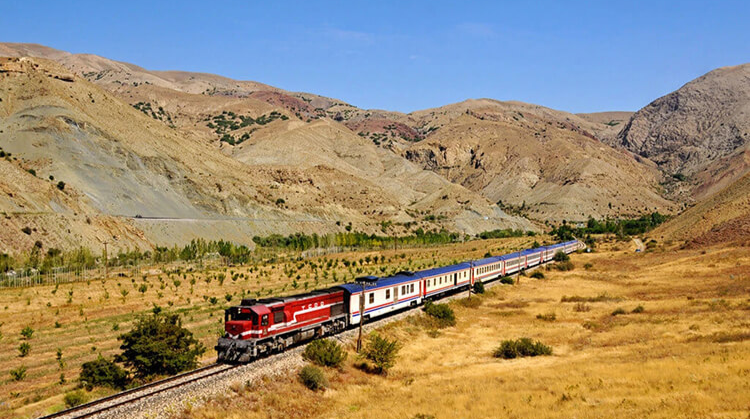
[174,155]
[545,164]
[697,135]
[163,175]
[720,218]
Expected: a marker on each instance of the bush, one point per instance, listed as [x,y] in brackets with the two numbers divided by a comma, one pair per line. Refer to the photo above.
[548,317]
[61,185]
[23,349]
[382,352]
[470,302]
[325,352]
[313,378]
[537,275]
[581,307]
[19,373]
[522,347]
[159,345]
[442,313]
[564,266]
[561,256]
[74,398]
[507,280]
[478,287]
[103,372]
[618,311]
[26,230]
[587,266]
[27,332]
[639,309]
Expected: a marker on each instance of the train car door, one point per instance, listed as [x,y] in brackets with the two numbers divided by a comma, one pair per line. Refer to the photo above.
[455,279]
[395,294]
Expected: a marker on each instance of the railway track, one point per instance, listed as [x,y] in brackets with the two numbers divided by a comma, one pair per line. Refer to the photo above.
[129,396]
[133,396]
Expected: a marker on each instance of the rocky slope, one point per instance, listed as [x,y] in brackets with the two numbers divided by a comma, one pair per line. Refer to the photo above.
[172,180]
[720,218]
[543,163]
[199,152]
[698,132]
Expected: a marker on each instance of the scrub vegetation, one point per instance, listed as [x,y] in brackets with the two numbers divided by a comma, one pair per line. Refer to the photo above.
[687,354]
[75,323]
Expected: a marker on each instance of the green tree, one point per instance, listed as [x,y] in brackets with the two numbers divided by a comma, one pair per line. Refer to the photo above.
[325,352]
[103,372]
[159,345]
[382,352]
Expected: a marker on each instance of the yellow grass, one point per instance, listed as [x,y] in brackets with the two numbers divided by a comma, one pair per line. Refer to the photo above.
[87,318]
[686,355]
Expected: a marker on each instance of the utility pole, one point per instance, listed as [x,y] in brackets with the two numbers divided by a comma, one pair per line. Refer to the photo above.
[106,261]
[364,281]
[471,277]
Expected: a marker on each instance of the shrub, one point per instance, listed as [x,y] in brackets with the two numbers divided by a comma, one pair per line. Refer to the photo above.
[537,275]
[158,345]
[382,352]
[26,230]
[24,348]
[478,287]
[470,302]
[325,352]
[587,266]
[522,347]
[27,332]
[561,256]
[61,185]
[618,311]
[507,280]
[581,307]
[564,266]
[103,372]
[442,313]
[312,377]
[19,373]
[548,317]
[74,398]
[639,309]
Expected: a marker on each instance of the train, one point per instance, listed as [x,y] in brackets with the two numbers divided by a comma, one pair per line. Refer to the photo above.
[259,327]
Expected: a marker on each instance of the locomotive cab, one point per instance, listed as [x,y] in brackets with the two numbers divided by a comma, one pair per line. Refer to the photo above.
[242,322]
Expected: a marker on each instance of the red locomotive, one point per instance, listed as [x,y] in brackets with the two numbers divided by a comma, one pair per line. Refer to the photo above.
[268,325]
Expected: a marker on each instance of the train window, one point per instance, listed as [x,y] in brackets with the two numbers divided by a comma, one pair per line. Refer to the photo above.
[242,314]
[278,317]
[412,288]
[264,320]
[372,298]
[388,293]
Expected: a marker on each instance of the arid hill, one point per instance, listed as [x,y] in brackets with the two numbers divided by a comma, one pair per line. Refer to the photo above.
[721,218]
[196,154]
[545,164]
[170,179]
[698,133]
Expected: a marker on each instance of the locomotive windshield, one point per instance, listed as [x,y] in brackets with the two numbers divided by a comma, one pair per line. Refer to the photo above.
[239,313]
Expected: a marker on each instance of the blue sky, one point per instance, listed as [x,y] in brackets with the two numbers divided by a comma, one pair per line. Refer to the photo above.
[405,56]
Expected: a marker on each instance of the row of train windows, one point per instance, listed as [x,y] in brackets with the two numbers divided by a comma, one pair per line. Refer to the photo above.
[488,268]
[446,278]
[405,289]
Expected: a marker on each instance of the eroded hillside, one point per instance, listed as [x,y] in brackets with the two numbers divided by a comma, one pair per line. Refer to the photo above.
[169,177]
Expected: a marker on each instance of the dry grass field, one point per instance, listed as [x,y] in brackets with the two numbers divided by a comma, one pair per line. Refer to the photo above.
[83,320]
[685,354]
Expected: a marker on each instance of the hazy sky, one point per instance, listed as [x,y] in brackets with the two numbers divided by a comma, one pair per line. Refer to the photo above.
[402,55]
